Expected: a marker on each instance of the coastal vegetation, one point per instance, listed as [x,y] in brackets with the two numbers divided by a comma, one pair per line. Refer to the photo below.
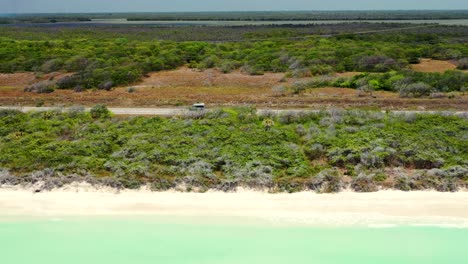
[224,149]
[228,148]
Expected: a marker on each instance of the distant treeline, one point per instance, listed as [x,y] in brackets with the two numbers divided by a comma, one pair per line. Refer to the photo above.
[222,33]
[243,16]
[42,19]
[302,15]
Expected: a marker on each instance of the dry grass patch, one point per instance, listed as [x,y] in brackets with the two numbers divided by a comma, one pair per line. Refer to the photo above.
[16,79]
[185,86]
[347,74]
[429,65]
[194,78]
[345,93]
[23,79]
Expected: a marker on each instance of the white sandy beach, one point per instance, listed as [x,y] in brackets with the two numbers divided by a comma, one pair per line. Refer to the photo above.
[347,208]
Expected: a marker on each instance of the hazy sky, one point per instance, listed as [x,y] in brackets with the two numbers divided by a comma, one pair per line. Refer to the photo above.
[28,6]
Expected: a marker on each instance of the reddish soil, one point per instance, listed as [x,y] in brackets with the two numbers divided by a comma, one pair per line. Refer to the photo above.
[186,86]
[17,79]
[23,79]
[193,78]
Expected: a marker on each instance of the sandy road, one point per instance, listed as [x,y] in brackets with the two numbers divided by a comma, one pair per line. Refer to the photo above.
[116,111]
[177,111]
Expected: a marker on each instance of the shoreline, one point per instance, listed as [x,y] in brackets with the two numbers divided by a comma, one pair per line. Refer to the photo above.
[380,209]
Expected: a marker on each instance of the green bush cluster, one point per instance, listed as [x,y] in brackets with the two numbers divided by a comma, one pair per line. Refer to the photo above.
[224,149]
[407,83]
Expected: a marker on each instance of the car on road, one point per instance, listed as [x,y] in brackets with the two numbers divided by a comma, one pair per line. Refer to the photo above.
[198,107]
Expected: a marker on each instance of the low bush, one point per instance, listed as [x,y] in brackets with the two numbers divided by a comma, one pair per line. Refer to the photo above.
[107,85]
[252,70]
[416,90]
[67,82]
[161,184]
[462,64]
[377,63]
[327,181]
[255,175]
[100,112]
[314,151]
[403,183]
[41,87]
[228,66]
[364,183]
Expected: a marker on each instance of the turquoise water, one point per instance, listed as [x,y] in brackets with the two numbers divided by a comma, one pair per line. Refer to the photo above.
[83,241]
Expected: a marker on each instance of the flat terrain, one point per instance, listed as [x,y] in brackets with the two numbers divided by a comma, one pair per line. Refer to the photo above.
[385,207]
[428,65]
[185,77]
[186,86]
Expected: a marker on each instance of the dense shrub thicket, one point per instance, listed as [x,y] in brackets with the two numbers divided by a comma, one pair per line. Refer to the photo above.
[407,83]
[224,149]
[103,59]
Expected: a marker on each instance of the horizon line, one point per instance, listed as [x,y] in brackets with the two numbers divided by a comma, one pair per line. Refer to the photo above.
[232,11]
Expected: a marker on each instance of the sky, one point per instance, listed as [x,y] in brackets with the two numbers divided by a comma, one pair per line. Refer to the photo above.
[74,6]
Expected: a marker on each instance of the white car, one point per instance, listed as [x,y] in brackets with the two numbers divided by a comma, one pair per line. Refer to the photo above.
[198,107]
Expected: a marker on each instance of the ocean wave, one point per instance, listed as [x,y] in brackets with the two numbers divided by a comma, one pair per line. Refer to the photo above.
[443,225]
[382,225]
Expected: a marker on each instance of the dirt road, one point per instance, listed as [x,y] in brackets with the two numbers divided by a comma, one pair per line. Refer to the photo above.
[177,111]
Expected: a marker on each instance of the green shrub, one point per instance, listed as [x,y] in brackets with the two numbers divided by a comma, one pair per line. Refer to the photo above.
[161,184]
[416,90]
[462,64]
[41,87]
[403,183]
[314,151]
[252,70]
[327,181]
[364,183]
[100,112]
[228,66]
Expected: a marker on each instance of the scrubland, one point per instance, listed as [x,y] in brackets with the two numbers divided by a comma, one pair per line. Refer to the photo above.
[270,66]
[230,148]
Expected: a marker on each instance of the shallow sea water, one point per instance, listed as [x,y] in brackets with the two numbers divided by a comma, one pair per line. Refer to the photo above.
[182,240]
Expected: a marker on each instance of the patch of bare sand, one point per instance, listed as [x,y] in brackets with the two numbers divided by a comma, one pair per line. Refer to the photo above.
[346,208]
